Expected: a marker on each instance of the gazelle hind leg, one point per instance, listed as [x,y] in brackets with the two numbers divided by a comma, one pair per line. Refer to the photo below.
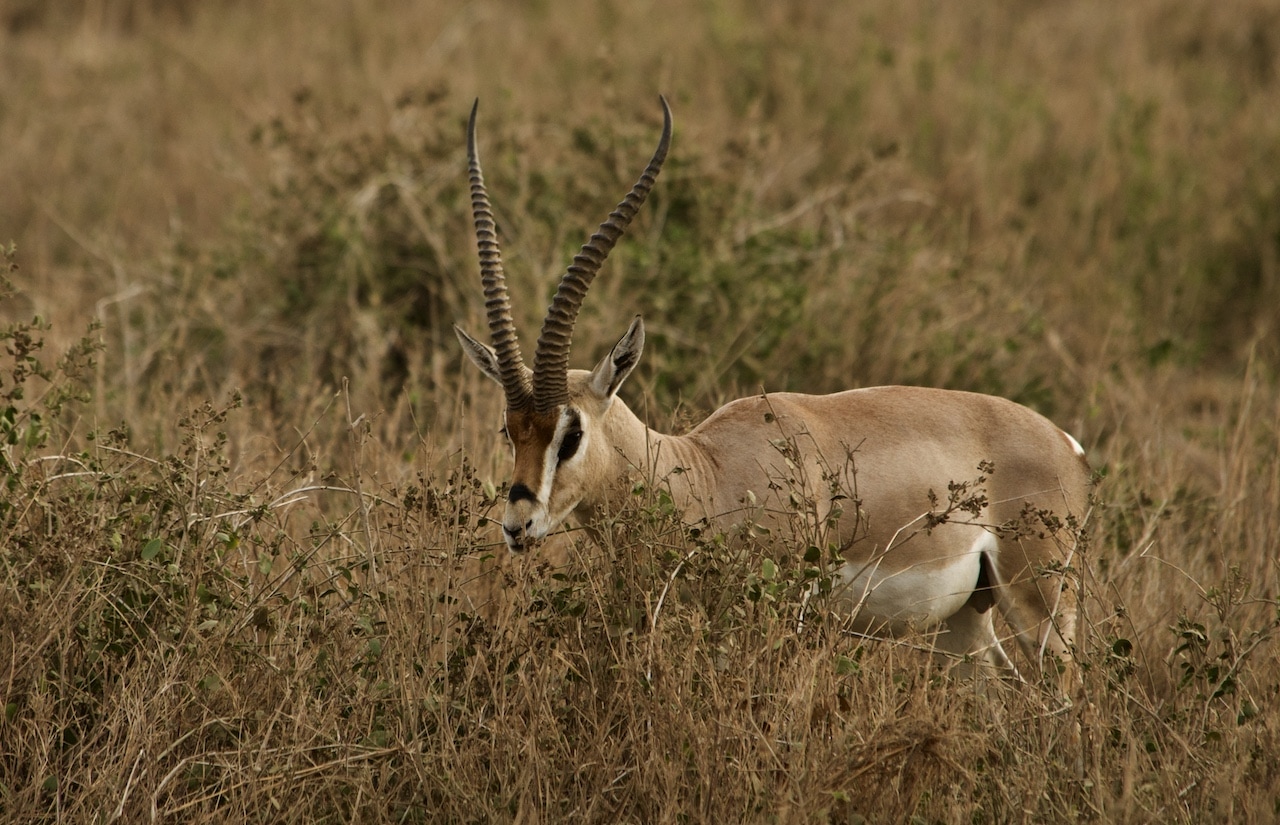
[968,638]
[1040,607]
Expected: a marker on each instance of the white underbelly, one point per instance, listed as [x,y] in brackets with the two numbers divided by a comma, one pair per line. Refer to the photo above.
[902,589]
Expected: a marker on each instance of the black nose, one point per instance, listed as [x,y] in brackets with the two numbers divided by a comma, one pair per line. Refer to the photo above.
[515,537]
[520,492]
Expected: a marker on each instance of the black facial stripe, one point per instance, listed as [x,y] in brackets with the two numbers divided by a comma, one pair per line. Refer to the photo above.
[520,492]
[571,439]
[569,446]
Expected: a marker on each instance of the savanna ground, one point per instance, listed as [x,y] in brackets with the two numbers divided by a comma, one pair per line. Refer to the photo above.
[250,572]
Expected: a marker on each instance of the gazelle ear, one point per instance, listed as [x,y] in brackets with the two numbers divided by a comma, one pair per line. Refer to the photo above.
[482,355]
[609,374]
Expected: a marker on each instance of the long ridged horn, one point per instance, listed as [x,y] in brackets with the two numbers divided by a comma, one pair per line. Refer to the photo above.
[551,359]
[497,303]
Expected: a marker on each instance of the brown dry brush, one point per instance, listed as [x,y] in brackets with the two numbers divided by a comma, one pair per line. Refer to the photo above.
[184,643]
[252,576]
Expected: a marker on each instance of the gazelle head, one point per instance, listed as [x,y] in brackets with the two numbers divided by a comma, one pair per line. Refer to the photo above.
[555,418]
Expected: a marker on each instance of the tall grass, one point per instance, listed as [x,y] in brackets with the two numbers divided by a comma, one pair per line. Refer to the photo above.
[249,565]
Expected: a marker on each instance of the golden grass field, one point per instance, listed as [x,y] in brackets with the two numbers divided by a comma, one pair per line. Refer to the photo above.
[250,572]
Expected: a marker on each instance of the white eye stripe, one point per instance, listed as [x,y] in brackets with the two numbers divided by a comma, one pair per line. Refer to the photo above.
[570,422]
[569,418]
[506,434]
[571,436]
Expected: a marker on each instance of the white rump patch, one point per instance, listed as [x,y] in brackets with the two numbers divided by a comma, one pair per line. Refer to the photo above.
[1075,445]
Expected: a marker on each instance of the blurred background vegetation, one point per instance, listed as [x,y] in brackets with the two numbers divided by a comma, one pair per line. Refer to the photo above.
[1019,200]
[258,213]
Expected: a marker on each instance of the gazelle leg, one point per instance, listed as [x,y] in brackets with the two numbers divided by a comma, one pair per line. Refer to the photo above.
[969,639]
[1040,607]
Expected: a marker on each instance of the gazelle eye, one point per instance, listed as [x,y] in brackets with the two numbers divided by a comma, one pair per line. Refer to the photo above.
[569,445]
[503,432]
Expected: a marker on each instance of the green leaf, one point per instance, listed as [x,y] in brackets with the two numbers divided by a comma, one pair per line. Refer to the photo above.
[152,549]
[846,666]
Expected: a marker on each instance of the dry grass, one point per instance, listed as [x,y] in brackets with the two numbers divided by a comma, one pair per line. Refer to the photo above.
[248,569]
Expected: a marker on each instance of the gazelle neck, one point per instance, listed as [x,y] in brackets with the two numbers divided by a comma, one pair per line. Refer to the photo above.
[641,454]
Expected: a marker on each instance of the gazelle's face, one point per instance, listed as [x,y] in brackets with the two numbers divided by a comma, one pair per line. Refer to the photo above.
[550,427]
[563,457]
[547,482]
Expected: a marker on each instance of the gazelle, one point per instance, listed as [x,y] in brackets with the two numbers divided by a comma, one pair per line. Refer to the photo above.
[577,448]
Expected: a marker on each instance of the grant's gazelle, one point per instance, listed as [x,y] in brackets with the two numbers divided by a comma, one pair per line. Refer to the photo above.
[911,557]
